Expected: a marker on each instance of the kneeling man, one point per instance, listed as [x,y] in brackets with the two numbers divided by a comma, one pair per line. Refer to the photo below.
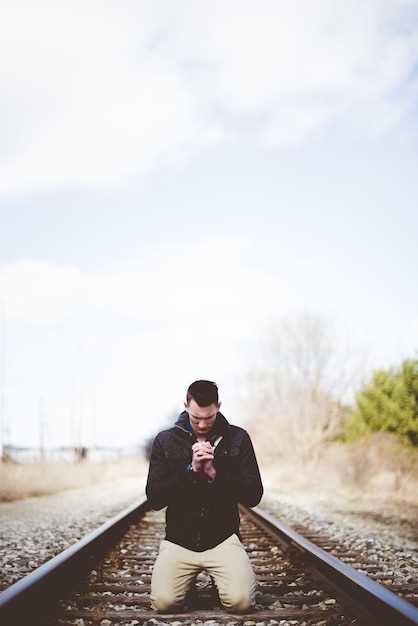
[200,469]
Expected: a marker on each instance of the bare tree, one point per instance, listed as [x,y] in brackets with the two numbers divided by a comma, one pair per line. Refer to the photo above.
[295,392]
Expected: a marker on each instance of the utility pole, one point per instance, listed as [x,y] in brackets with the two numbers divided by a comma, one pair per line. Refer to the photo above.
[73,410]
[94,421]
[76,411]
[42,427]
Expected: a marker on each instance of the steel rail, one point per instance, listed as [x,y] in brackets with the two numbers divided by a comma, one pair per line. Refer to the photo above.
[376,604]
[30,594]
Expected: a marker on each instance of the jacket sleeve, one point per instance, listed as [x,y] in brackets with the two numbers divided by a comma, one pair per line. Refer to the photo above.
[167,484]
[238,476]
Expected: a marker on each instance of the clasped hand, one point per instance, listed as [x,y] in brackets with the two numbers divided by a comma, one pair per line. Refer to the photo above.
[202,459]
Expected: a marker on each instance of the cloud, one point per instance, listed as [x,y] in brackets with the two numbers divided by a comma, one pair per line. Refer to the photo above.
[112,340]
[85,107]
[99,95]
[212,280]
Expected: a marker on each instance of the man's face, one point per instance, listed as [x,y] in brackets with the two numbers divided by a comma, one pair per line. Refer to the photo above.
[202,418]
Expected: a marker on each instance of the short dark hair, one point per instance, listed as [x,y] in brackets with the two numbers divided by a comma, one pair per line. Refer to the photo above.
[204,392]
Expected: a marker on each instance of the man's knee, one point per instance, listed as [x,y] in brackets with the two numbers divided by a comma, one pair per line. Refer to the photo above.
[163,601]
[238,601]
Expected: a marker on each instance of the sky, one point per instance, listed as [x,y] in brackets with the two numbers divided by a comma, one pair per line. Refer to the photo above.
[174,177]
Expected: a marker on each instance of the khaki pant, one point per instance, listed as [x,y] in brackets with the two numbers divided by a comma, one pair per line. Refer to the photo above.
[227,563]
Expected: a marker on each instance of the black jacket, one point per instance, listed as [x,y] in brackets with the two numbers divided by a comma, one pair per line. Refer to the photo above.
[201,514]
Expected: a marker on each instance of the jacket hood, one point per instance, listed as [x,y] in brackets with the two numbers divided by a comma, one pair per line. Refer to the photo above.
[220,427]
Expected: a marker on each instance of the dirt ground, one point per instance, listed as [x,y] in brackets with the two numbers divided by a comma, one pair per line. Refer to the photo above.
[18,480]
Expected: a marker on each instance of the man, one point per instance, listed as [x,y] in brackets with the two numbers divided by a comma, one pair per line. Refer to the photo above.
[200,469]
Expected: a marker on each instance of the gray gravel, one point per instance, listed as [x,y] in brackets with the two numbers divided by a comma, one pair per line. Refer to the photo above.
[34,530]
[385,534]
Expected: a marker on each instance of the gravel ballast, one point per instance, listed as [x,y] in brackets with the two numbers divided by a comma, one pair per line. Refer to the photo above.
[387,541]
[34,530]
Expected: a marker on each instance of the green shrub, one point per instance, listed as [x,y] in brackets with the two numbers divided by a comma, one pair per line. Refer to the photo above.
[388,403]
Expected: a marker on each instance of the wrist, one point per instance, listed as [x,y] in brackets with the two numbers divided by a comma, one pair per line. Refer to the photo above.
[211,473]
[192,469]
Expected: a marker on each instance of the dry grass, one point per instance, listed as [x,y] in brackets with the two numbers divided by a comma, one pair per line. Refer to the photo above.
[379,465]
[38,479]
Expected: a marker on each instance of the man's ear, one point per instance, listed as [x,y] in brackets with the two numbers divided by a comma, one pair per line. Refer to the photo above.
[185,406]
[219,405]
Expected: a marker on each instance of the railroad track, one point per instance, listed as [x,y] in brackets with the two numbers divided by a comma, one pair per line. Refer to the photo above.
[104,579]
